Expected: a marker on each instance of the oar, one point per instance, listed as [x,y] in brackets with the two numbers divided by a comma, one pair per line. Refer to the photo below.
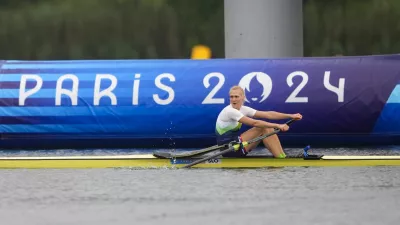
[235,147]
[169,155]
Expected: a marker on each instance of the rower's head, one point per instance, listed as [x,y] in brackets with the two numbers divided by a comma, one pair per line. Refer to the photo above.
[236,97]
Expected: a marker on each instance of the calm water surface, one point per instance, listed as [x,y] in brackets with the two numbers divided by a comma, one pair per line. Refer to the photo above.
[364,195]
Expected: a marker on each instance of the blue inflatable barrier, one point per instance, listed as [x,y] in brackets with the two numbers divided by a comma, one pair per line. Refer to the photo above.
[174,103]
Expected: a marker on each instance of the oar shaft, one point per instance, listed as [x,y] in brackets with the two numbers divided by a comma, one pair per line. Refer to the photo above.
[260,138]
[267,135]
[207,158]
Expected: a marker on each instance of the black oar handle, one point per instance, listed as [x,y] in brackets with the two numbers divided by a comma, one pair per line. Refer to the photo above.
[288,123]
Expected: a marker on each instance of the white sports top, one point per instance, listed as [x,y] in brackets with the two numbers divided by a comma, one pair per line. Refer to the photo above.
[228,118]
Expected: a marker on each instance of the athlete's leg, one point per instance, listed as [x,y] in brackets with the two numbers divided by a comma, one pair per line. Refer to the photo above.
[272,143]
[251,134]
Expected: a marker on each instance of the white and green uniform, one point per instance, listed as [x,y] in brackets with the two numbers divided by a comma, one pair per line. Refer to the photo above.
[227,126]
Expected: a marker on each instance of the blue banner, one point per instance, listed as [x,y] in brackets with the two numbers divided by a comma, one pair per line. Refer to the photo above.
[171,103]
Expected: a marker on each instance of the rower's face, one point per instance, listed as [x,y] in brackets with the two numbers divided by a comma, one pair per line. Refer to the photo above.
[236,98]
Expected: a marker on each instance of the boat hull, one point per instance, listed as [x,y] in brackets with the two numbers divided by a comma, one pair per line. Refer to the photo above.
[149,161]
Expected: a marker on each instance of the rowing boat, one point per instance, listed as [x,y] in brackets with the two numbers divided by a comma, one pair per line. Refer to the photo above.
[150,161]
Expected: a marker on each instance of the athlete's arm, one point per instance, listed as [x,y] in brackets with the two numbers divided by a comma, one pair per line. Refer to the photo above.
[272,115]
[262,124]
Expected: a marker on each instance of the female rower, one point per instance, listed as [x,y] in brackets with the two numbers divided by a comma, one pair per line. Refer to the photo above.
[231,118]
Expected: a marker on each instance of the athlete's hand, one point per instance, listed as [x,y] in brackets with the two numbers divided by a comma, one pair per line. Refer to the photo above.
[297,116]
[283,127]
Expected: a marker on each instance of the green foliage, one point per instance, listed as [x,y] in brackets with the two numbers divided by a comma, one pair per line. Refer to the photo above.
[351,27]
[100,29]
[129,29]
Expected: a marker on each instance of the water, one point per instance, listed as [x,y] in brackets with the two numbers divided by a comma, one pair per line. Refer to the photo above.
[364,195]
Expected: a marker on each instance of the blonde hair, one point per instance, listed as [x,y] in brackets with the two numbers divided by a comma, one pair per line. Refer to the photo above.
[236,87]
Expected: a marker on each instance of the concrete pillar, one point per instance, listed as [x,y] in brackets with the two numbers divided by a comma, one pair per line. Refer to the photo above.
[263,28]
